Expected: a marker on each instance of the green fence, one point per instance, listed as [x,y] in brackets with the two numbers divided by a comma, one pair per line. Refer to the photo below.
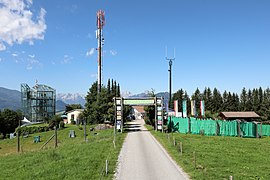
[265,130]
[218,127]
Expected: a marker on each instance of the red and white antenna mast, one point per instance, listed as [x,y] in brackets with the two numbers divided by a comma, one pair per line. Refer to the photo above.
[99,36]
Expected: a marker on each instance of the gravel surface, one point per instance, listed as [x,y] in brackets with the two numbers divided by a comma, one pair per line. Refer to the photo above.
[142,157]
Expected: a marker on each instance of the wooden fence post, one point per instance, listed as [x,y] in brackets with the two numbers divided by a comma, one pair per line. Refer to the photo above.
[189,125]
[106,167]
[55,135]
[239,128]
[194,157]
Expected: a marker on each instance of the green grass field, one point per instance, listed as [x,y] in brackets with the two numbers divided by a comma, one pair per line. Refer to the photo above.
[73,159]
[219,157]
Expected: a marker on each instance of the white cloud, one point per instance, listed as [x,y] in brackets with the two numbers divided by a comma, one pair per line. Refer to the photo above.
[90,52]
[2,47]
[31,56]
[67,59]
[113,52]
[0,59]
[29,67]
[14,55]
[31,63]
[17,24]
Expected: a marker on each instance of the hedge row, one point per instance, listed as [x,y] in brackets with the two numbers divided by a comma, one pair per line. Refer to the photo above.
[32,129]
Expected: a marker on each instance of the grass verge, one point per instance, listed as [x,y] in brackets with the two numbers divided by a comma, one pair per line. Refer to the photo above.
[214,157]
[73,159]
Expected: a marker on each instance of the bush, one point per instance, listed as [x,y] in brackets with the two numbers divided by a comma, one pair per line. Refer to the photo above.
[62,124]
[55,121]
[72,122]
[2,136]
[32,129]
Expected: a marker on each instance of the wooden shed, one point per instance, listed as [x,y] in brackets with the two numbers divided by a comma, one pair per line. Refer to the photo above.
[247,116]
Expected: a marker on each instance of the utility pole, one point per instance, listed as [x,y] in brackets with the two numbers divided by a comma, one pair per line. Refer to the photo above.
[18,137]
[170,77]
[170,84]
[99,36]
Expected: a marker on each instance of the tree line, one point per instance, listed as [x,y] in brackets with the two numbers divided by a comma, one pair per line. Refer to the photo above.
[100,108]
[256,99]
[9,121]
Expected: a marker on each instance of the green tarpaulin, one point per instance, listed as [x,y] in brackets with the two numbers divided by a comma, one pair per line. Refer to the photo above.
[218,127]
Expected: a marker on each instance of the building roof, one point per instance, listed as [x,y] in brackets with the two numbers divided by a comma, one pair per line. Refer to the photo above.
[140,109]
[80,110]
[42,87]
[239,115]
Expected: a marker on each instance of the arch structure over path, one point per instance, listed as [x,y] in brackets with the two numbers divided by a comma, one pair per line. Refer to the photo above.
[120,102]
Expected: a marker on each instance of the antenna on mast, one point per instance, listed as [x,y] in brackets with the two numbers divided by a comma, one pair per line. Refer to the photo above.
[170,77]
[99,36]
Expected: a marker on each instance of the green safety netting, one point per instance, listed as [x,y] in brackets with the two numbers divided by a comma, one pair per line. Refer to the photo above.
[180,124]
[265,130]
[248,129]
[227,128]
[206,127]
[218,127]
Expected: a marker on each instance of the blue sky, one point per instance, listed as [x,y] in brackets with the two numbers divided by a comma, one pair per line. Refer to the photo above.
[223,44]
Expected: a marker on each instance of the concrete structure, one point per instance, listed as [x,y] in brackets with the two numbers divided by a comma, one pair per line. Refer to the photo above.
[73,115]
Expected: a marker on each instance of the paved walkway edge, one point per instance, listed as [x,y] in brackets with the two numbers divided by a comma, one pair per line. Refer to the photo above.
[170,158]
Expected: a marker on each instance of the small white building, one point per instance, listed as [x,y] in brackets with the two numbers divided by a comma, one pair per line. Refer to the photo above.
[138,112]
[74,115]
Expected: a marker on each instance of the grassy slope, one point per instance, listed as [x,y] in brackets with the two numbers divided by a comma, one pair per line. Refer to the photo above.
[220,157]
[73,159]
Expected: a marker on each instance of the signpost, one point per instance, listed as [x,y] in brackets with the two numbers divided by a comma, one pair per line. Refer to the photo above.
[159,114]
[152,101]
[118,114]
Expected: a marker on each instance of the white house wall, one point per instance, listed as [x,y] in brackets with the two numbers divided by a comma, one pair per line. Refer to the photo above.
[76,115]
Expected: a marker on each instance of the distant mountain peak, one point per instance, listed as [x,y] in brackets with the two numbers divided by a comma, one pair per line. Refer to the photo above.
[71,98]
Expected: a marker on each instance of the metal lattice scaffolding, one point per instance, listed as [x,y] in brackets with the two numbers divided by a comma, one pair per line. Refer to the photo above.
[38,103]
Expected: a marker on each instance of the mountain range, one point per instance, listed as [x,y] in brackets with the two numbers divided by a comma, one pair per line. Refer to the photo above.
[11,99]
[71,98]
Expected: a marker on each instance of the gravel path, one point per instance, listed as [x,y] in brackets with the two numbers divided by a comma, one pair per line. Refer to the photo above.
[143,158]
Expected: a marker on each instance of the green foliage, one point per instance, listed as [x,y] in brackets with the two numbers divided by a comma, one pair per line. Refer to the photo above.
[56,119]
[71,107]
[32,129]
[50,163]
[219,157]
[127,111]
[101,108]
[9,121]
[256,99]
[150,111]
[72,122]
[179,95]
[62,124]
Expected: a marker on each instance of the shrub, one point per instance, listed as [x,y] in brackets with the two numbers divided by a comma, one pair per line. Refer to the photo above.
[32,129]
[2,136]
[62,124]
[73,122]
